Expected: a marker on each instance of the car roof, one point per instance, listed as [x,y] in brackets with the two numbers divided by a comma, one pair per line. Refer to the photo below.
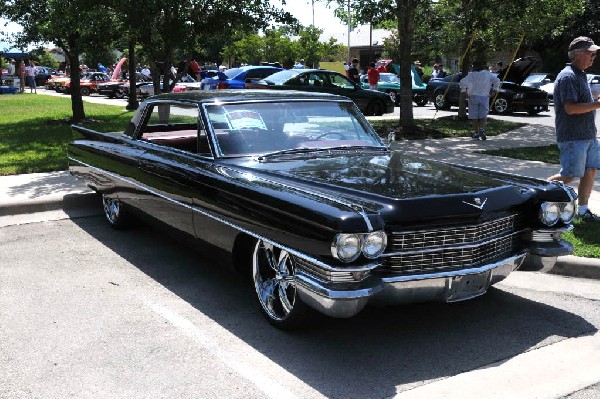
[246,94]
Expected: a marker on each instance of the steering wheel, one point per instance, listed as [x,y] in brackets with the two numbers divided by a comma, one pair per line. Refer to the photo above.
[338,134]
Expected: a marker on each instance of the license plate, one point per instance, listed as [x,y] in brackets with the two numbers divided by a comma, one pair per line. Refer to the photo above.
[469,286]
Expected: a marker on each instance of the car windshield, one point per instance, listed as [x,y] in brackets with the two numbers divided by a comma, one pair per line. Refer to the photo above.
[233,72]
[535,78]
[389,78]
[289,127]
[282,76]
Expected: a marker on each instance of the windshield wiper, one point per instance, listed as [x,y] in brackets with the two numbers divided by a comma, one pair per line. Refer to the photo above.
[301,150]
[330,150]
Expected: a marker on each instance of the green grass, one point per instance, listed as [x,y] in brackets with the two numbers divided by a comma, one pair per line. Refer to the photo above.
[438,128]
[585,237]
[547,154]
[34,130]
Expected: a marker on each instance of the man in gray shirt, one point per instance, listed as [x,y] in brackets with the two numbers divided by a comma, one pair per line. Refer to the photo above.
[575,124]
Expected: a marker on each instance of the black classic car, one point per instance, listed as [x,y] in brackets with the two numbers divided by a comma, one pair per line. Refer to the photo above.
[313,207]
[370,102]
[512,96]
[115,89]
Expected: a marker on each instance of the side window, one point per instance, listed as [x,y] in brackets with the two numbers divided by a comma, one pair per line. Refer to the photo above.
[341,82]
[172,125]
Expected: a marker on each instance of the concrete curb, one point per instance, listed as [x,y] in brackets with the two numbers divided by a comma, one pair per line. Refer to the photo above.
[575,266]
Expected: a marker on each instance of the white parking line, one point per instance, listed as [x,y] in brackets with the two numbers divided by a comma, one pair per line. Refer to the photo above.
[251,372]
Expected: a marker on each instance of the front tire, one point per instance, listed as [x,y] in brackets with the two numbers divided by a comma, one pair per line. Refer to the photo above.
[274,278]
[502,106]
[114,213]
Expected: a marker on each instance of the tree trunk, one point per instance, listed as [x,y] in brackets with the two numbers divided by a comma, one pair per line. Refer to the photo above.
[76,100]
[132,102]
[406,28]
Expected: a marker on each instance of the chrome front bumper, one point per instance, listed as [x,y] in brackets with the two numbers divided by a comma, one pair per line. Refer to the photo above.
[451,286]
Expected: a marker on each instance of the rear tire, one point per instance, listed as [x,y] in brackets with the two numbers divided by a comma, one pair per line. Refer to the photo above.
[374,108]
[114,212]
[85,91]
[440,101]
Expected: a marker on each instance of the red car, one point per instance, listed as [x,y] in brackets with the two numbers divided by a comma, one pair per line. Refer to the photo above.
[88,83]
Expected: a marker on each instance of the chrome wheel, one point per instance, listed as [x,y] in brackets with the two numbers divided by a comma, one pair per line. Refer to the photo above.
[440,101]
[501,106]
[113,211]
[393,96]
[273,272]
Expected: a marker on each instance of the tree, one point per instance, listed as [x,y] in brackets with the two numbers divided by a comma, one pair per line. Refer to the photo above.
[70,24]
[377,12]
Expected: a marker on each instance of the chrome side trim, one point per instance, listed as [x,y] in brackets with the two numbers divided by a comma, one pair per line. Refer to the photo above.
[294,252]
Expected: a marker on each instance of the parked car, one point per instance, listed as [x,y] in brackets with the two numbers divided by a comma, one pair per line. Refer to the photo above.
[370,102]
[299,194]
[237,78]
[54,82]
[593,81]
[88,82]
[211,79]
[539,79]
[43,73]
[512,95]
[115,89]
[390,83]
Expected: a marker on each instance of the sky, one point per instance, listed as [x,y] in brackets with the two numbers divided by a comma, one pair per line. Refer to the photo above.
[323,16]
[301,9]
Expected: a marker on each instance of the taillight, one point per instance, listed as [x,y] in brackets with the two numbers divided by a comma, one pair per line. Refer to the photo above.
[222,85]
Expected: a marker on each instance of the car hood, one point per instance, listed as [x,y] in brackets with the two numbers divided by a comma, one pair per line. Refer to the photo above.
[518,71]
[382,183]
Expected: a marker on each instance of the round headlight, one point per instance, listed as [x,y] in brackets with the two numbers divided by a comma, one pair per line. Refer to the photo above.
[374,244]
[567,212]
[549,213]
[346,247]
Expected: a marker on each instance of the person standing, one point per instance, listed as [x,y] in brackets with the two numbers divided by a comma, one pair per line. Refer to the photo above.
[31,72]
[11,67]
[22,74]
[373,76]
[575,113]
[479,84]
[441,71]
[419,69]
[353,72]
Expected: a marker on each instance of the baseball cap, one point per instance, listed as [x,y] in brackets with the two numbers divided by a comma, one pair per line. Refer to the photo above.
[583,43]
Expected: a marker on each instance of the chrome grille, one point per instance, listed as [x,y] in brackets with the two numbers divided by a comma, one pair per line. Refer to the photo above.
[399,241]
[433,250]
[450,258]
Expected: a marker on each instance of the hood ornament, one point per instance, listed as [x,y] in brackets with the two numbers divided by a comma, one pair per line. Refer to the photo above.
[477,203]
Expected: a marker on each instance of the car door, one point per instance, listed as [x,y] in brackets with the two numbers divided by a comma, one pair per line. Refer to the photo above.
[169,163]
[339,84]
